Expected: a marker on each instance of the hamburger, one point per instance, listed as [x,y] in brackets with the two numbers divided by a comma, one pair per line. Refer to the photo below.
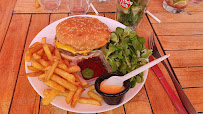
[79,36]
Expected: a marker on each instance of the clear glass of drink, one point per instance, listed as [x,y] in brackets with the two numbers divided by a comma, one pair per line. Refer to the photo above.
[131,12]
[78,7]
[50,5]
[175,6]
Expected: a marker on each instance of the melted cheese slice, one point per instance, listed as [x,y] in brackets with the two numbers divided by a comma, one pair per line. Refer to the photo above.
[68,48]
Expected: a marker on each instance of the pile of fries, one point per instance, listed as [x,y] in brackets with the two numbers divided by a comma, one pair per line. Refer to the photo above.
[57,73]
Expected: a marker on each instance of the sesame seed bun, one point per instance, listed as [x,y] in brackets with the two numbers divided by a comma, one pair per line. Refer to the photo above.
[82,33]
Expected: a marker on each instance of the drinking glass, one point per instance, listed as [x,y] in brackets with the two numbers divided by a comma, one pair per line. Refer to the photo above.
[175,6]
[50,5]
[78,7]
[131,12]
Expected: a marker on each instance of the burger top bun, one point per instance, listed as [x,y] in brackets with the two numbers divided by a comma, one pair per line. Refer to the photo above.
[82,33]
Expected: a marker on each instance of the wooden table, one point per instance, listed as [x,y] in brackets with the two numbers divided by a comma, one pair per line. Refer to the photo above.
[180,35]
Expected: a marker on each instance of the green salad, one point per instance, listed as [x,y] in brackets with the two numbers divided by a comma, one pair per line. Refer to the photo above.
[126,52]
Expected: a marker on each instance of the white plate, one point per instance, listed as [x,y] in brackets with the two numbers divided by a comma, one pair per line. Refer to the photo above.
[59,101]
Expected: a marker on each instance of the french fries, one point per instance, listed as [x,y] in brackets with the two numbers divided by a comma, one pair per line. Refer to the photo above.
[67,63]
[59,74]
[48,98]
[91,88]
[37,65]
[42,77]
[36,56]
[40,52]
[65,94]
[82,81]
[54,85]
[51,70]
[73,69]
[44,39]
[76,96]
[43,62]
[89,101]
[69,97]
[34,48]
[94,96]
[63,82]
[47,52]
[57,53]
[62,66]
[33,74]
[37,4]
[32,68]
[64,74]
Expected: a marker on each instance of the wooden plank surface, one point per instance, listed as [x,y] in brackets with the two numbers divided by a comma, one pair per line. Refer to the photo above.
[55,17]
[139,104]
[28,6]
[177,28]
[24,100]
[50,109]
[186,58]
[119,110]
[190,77]
[6,8]
[196,97]
[10,58]
[182,17]
[182,42]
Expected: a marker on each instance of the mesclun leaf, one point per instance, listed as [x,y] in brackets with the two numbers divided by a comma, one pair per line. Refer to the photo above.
[113,65]
[127,30]
[117,56]
[127,52]
[128,33]
[134,59]
[136,44]
[114,37]
[127,60]
[123,68]
[143,62]
[138,54]
[111,49]
[105,51]
[133,82]
[119,31]
[141,40]
[124,45]
[146,54]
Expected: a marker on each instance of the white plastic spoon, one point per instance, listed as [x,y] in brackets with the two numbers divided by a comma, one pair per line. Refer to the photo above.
[118,80]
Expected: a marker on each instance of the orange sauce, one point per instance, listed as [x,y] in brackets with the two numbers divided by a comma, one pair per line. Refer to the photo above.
[111,89]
